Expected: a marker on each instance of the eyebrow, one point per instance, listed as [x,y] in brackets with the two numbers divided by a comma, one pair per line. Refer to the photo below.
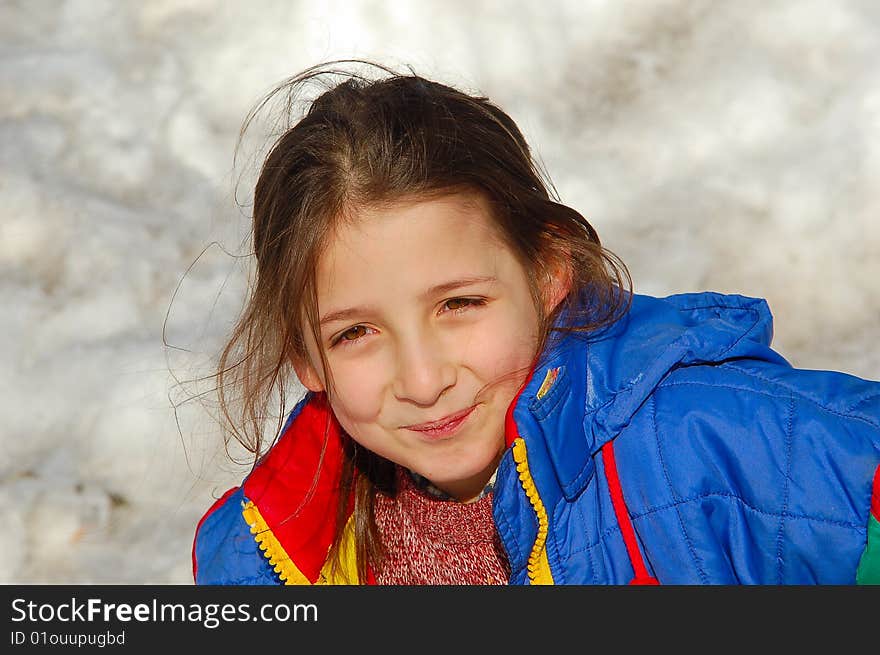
[437,289]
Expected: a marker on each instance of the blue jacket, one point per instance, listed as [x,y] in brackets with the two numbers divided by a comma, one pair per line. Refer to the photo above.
[675,446]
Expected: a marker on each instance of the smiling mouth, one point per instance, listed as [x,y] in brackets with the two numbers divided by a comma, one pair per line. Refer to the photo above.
[445,424]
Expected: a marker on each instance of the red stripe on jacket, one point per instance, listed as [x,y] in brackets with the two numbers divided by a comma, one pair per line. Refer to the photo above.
[642,577]
[875,495]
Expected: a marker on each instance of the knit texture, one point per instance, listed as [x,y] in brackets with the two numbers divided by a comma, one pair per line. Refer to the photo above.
[429,541]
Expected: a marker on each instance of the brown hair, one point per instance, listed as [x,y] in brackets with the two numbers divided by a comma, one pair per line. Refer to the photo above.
[366,141]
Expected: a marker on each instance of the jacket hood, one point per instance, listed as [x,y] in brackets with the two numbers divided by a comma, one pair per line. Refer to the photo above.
[599,380]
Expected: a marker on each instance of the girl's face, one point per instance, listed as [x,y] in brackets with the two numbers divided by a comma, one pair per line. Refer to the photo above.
[421,307]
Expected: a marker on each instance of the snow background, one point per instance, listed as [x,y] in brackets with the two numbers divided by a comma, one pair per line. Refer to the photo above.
[725,146]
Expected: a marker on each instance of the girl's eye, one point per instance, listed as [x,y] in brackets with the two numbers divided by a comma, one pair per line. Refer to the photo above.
[351,335]
[457,305]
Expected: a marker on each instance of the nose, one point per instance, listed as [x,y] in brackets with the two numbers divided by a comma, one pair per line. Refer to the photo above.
[424,371]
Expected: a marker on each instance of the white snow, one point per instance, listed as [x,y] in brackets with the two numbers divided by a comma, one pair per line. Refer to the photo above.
[725,146]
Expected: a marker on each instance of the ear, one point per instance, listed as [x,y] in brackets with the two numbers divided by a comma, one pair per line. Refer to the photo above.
[307,375]
[557,285]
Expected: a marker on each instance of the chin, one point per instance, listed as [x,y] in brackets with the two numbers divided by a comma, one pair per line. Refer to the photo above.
[453,474]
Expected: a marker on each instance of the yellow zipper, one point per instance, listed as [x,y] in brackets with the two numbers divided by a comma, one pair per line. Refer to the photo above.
[271,547]
[538,564]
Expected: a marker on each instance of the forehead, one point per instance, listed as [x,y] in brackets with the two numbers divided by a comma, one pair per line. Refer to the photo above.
[416,217]
[412,243]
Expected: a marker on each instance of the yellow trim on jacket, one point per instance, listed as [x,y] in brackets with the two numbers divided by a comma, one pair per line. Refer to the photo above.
[538,564]
[284,566]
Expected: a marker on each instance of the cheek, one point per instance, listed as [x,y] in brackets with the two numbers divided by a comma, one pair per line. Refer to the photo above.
[502,346]
[357,393]
[357,403]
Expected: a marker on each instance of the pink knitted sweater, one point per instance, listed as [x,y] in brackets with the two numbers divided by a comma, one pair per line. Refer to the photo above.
[438,542]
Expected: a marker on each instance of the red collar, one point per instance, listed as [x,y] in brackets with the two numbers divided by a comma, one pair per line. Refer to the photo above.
[298,507]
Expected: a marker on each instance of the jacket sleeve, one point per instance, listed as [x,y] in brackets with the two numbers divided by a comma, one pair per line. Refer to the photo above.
[224,550]
[770,473]
[829,423]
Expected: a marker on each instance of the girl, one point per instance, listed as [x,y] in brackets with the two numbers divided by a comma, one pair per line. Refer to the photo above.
[487,401]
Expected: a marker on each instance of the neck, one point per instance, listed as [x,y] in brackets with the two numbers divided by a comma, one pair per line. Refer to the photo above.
[470,492]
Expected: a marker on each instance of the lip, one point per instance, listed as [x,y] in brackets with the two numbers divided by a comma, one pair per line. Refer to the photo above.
[444,426]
